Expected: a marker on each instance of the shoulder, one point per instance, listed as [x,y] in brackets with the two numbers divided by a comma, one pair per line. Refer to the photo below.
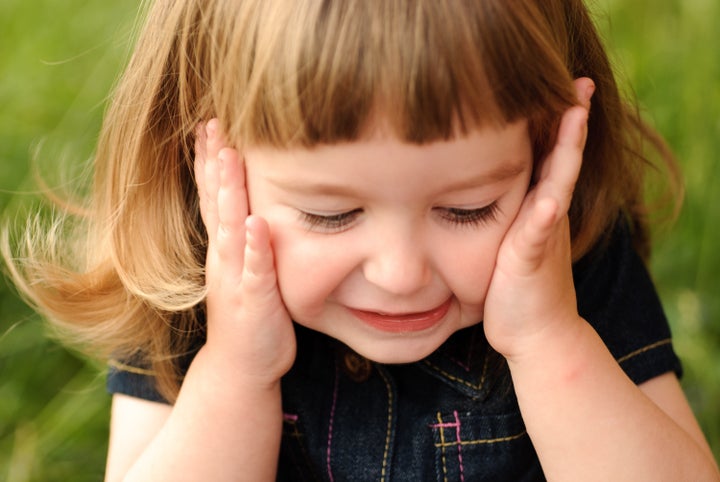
[616,295]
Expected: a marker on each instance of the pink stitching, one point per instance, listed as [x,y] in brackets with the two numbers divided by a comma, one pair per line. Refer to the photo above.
[332,418]
[462,365]
[466,364]
[289,417]
[459,445]
[443,425]
[458,439]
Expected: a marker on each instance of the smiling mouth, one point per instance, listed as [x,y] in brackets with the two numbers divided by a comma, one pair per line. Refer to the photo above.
[405,322]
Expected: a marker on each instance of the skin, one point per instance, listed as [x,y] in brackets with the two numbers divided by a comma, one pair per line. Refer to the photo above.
[562,372]
[385,236]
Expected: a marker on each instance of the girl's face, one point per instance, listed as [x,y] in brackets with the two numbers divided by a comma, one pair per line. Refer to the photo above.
[386,246]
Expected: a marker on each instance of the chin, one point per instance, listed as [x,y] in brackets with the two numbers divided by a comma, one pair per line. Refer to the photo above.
[399,350]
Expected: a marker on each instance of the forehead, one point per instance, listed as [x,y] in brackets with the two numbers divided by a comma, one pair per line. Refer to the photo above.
[483,156]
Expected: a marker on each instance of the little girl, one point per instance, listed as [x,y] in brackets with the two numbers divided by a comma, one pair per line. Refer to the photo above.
[373,240]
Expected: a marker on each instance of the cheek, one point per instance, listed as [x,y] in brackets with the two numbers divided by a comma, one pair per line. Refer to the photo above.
[308,270]
[468,269]
[469,263]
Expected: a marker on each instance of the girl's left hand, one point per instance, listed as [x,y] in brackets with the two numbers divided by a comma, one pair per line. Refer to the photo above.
[531,295]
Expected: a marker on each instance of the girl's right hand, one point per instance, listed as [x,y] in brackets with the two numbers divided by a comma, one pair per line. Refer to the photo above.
[249,330]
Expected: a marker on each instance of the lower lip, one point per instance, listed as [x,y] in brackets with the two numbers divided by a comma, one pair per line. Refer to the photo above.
[404,323]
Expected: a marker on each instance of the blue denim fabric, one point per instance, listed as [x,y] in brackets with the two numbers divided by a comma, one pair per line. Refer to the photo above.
[453,416]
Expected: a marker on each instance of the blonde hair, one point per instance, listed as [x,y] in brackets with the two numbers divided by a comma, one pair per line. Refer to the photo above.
[303,73]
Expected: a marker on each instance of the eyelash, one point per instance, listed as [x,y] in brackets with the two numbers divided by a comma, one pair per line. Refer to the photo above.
[331,223]
[470,217]
[455,216]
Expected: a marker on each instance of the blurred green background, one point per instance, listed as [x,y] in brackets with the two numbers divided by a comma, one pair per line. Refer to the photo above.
[58,60]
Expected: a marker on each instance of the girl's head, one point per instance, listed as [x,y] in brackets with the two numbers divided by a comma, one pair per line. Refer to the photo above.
[312,72]
[322,73]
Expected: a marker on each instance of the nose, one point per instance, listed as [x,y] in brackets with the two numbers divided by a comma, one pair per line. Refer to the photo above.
[399,266]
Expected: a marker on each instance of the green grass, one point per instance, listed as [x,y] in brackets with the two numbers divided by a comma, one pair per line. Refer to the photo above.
[666,51]
[58,59]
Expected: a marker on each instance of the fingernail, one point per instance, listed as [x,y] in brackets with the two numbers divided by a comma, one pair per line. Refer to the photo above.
[212,127]
[589,91]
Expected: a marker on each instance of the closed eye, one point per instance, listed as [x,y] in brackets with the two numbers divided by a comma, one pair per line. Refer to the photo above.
[330,223]
[470,217]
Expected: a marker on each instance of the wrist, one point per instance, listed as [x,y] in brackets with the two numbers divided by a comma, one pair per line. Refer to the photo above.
[558,344]
[218,369]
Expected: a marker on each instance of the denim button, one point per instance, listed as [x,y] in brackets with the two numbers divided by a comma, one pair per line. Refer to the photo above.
[356,367]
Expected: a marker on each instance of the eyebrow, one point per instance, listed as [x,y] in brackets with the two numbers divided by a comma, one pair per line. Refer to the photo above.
[316,188]
[507,170]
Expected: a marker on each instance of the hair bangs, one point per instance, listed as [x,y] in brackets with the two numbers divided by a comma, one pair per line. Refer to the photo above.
[428,69]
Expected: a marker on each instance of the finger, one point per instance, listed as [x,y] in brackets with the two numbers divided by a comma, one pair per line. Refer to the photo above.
[259,279]
[231,212]
[584,90]
[199,168]
[562,167]
[531,241]
[215,140]
[211,179]
[201,142]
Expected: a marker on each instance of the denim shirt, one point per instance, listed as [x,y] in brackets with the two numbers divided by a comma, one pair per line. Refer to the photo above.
[453,416]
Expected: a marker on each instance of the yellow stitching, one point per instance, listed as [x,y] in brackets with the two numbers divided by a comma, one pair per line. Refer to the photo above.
[443,444]
[652,346]
[486,362]
[295,432]
[130,369]
[389,425]
[454,378]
